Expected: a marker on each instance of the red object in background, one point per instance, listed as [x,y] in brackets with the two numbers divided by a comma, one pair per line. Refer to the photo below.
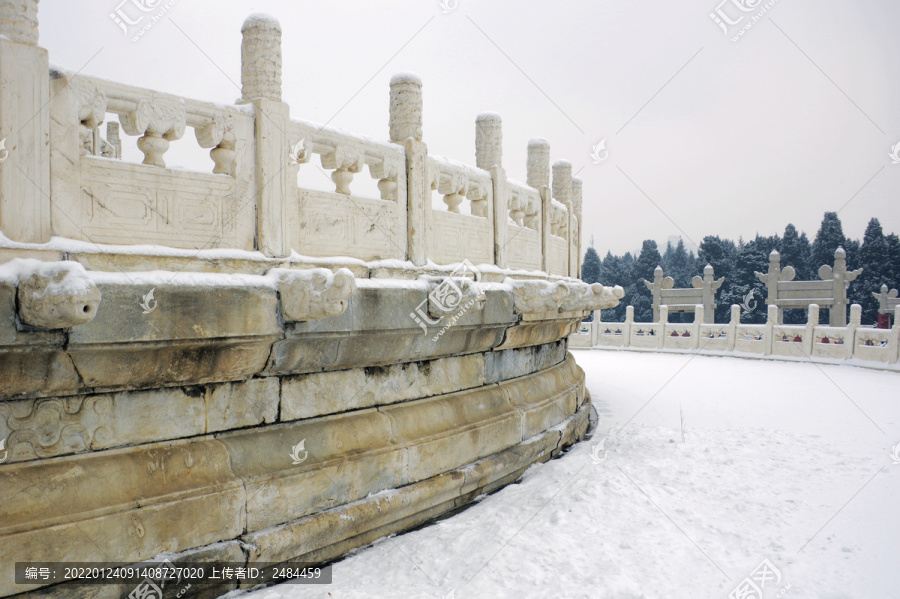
[884,321]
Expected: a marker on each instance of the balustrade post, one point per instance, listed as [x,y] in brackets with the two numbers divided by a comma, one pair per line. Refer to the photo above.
[894,342]
[663,321]
[626,330]
[772,314]
[489,156]
[406,130]
[812,321]
[261,86]
[578,228]
[698,320]
[24,125]
[562,191]
[538,177]
[732,326]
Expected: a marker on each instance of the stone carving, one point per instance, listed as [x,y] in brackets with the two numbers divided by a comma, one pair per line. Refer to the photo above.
[387,172]
[90,110]
[158,120]
[406,107]
[261,58]
[346,160]
[703,292]
[887,300]
[538,296]
[19,22]
[562,181]
[450,294]
[218,134]
[533,213]
[517,205]
[313,294]
[57,295]
[592,297]
[831,291]
[51,427]
[488,140]
[538,163]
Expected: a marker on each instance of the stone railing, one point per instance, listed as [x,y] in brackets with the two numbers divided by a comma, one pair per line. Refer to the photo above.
[78,187]
[811,340]
[231,366]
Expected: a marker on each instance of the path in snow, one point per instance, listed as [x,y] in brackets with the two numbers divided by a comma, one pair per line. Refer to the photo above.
[780,461]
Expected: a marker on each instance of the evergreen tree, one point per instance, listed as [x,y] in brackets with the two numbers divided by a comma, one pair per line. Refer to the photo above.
[829,238]
[796,252]
[874,259]
[680,267]
[893,243]
[590,268]
[644,266]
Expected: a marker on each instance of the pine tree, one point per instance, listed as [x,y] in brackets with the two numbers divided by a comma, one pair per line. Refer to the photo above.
[590,268]
[644,266]
[874,259]
[796,252]
[829,238]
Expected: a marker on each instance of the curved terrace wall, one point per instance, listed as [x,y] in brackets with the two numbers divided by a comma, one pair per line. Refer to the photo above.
[258,372]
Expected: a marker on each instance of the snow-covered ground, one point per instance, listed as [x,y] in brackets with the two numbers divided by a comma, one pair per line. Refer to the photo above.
[784,462]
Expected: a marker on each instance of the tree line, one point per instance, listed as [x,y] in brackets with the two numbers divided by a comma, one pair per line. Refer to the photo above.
[877,254]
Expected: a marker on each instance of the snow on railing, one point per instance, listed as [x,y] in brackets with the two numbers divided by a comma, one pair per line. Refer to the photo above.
[250,200]
[770,339]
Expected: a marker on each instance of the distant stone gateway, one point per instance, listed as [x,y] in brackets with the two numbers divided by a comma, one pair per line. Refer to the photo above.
[211,367]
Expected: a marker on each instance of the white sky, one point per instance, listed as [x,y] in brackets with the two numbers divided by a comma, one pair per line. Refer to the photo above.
[794,119]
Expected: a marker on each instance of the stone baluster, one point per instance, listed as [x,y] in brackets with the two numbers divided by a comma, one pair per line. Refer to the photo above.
[218,134]
[663,322]
[158,121]
[261,86]
[24,125]
[406,129]
[346,161]
[538,177]
[626,329]
[489,156]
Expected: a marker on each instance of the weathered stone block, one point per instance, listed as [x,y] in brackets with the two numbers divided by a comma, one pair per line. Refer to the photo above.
[322,393]
[344,457]
[130,504]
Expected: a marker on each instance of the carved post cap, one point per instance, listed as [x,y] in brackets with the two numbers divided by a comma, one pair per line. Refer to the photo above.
[562,180]
[18,21]
[735,314]
[261,58]
[772,314]
[406,107]
[538,166]
[629,313]
[664,314]
[708,270]
[812,317]
[774,256]
[840,254]
[855,315]
[488,140]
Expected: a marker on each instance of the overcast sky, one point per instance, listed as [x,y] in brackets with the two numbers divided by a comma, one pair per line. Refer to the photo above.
[705,135]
